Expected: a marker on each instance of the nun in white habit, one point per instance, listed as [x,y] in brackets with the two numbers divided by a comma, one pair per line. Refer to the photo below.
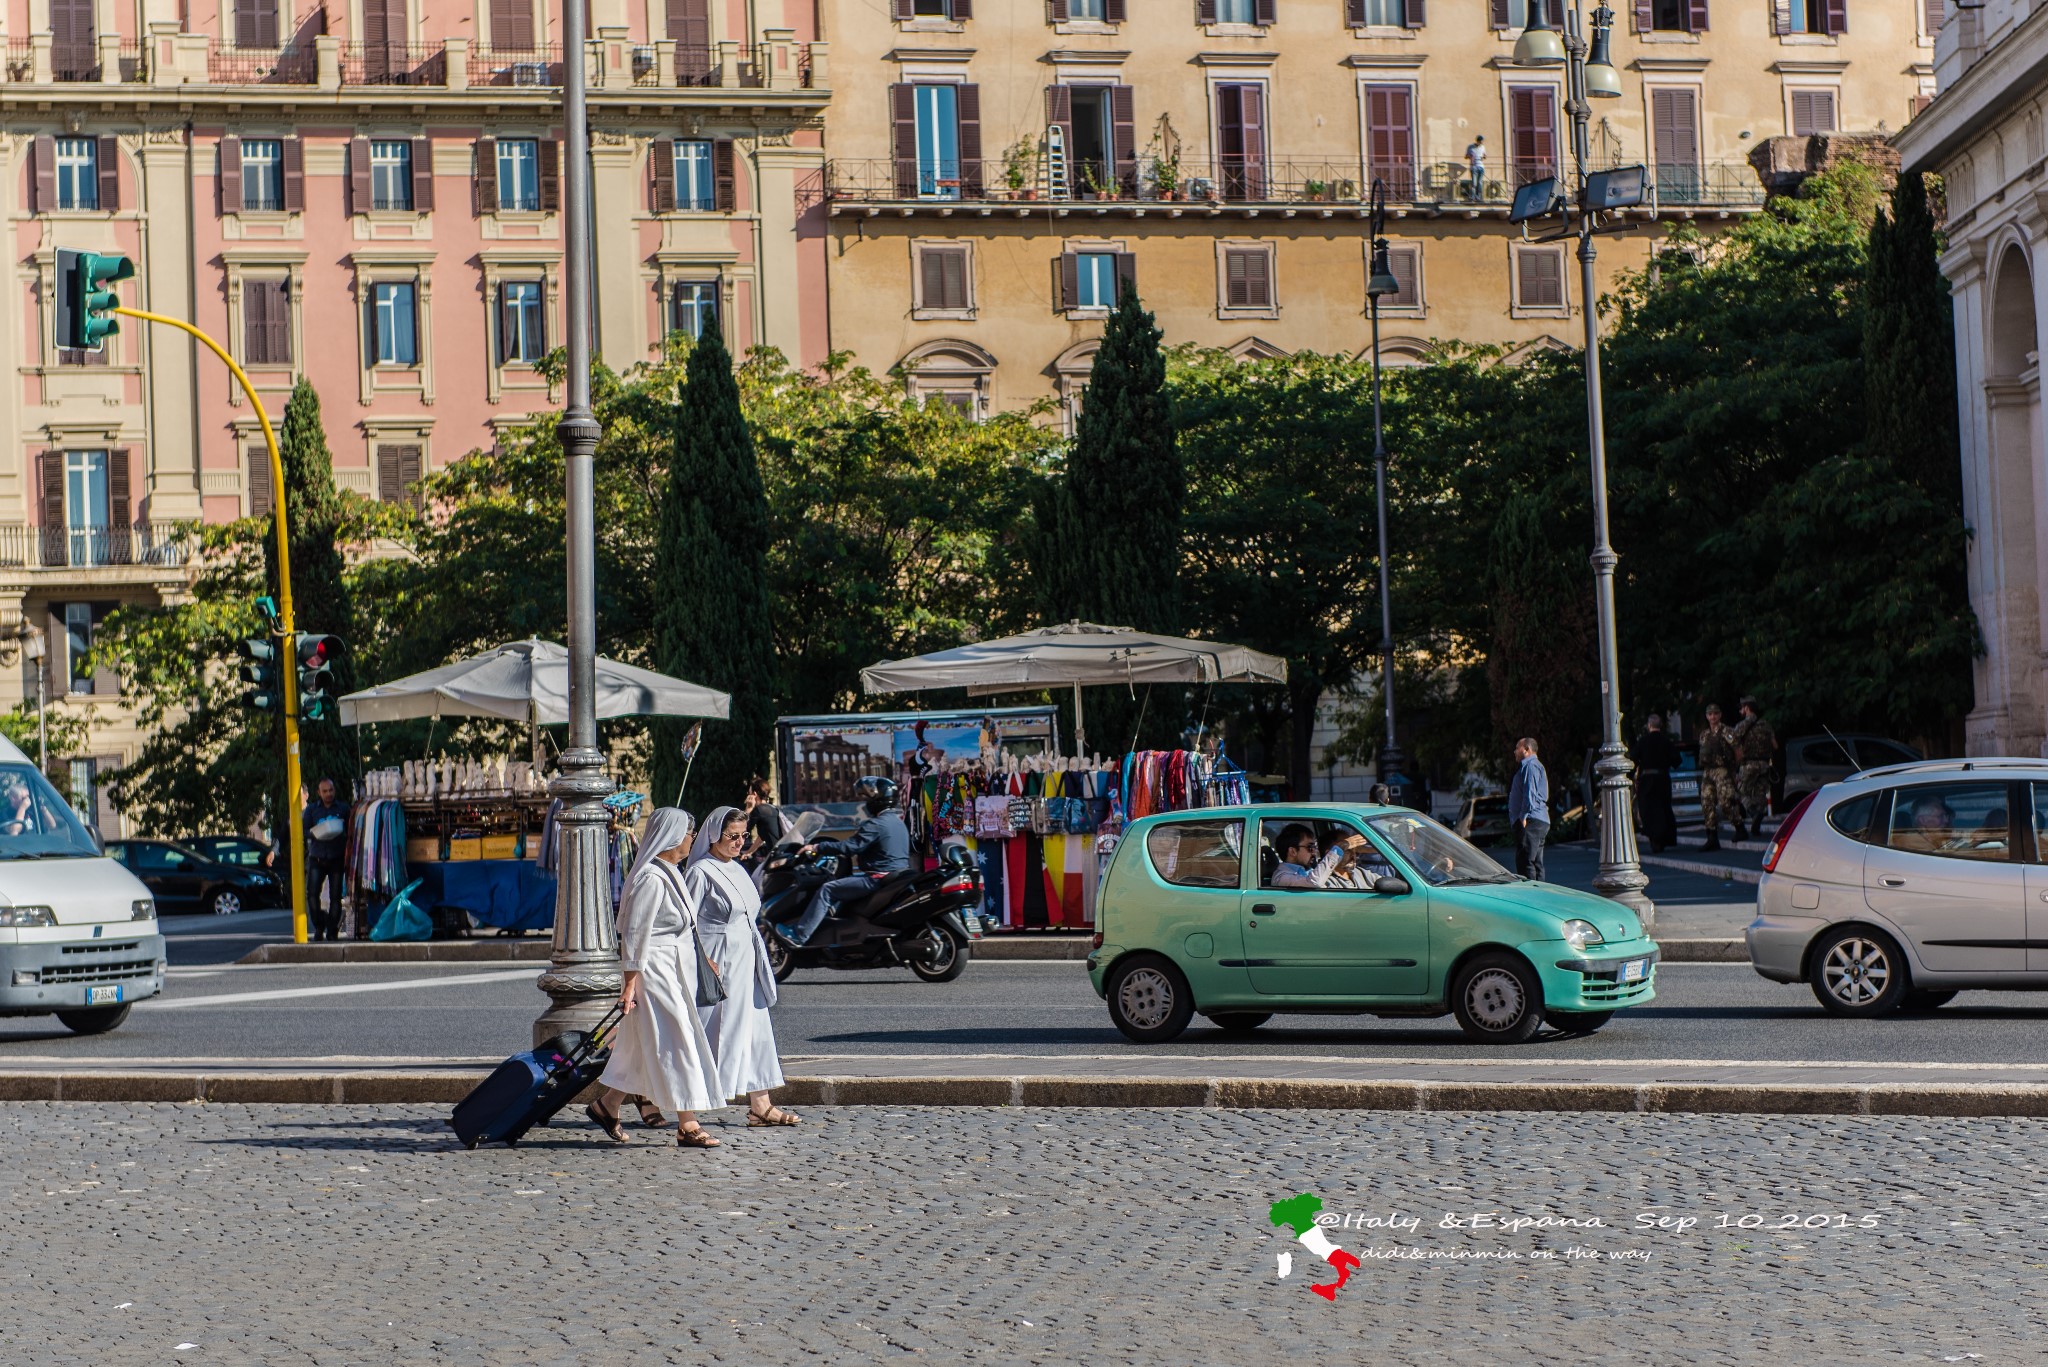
[729,910]
[659,1050]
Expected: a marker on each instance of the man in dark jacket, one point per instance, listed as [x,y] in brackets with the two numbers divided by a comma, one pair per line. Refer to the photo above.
[1655,758]
[326,852]
[880,846]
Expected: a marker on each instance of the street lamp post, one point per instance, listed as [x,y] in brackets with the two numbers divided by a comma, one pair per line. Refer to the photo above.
[583,973]
[1380,284]
[1589,74]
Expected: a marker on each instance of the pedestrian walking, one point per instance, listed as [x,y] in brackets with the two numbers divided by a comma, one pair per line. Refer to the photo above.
[1529,809]
[1717,779]
[1756,747]
[1655,758]
[326,826]
[728,920]
[1475,168]
[659,1050]
[764,822]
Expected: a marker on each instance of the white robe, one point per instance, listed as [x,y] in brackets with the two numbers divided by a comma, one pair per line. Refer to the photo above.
[660,1050]
[741,1034]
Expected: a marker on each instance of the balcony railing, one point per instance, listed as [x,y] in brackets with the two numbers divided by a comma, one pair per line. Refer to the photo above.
[20,63]
[535,68]
[262,66]
[394,64]
[1236,181]
[146,543]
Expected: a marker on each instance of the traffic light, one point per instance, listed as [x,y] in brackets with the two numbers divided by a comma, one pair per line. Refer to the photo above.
[315,656]
[260,671]
[84,297]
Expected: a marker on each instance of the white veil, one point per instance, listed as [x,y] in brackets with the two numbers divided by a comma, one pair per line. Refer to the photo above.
[714,823]
[667,827]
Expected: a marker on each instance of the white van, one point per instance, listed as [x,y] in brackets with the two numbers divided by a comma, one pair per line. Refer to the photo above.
[78,933]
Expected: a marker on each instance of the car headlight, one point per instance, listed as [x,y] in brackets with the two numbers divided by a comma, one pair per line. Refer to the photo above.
[18,917]
[1579,934]
[143,909]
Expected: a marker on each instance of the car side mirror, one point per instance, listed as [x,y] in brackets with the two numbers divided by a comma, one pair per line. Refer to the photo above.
[1387,885]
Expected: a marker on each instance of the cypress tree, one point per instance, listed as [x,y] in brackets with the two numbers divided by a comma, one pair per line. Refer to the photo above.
[320,602]
[1109,526]
[711,616]
[1909,348]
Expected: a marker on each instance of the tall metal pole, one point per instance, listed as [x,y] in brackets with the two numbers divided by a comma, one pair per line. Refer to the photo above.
[1392,761]
[1621,873]
[583,974]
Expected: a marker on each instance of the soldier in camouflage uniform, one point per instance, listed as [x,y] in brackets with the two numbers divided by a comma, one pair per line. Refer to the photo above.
[1756,745]
[1717,779]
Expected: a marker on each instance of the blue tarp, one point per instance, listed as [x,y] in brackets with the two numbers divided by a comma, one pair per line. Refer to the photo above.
[511,894]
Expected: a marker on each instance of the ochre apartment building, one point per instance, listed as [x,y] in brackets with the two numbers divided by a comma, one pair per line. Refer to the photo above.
[367,194]
[996,169]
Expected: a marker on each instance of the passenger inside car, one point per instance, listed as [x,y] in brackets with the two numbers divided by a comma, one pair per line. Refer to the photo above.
[1326,856]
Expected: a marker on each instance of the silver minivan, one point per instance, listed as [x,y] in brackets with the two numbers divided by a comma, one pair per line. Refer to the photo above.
[1901,886]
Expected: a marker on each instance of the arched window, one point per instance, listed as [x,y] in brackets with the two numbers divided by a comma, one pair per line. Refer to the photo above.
[954,371]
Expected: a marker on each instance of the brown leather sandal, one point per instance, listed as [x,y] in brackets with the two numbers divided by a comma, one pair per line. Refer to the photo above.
[694,1137]
[650,1114]
[774,1115]
[608,1121]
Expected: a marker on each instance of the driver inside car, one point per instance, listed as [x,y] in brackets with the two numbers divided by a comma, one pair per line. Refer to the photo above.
[1300,868]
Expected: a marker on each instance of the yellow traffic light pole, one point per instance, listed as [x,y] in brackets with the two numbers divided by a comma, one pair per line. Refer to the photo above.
[288,661]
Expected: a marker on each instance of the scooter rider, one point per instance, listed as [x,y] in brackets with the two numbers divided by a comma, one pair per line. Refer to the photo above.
[880,846]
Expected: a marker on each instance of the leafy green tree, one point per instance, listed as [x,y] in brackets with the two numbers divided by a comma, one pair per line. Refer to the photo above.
[711,614]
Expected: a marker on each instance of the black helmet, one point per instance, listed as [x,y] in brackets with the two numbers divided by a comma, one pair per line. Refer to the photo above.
[876,793]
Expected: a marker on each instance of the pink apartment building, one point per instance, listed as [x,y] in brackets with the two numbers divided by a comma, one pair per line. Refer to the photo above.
[368,194]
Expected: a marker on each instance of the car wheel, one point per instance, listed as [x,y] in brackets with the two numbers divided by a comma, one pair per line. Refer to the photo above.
[225,902]
[96,1021]
[946,955]
[1927,999]
[1240,1022]
[1149,1000]
[1498,999]
[1578,1022]
[1858,972]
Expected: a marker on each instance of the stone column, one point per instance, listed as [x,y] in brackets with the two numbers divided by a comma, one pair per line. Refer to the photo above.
[621,293]
[166,286]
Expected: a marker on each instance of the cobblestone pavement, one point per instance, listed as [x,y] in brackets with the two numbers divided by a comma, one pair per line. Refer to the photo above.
[276,1234]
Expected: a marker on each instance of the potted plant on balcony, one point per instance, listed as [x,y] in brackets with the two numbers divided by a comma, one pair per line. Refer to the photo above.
[1093,180]
[1166,176]
[1019,169]
[1313,190]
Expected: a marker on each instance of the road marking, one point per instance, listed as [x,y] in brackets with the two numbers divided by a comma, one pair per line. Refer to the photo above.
[340,989]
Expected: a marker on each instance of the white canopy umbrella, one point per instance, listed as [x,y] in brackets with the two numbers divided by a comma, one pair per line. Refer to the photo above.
[529,681]
[1074,654]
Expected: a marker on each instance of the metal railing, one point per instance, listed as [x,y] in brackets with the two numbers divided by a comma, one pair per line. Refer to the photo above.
[145,543]
[74,64]
[697,66]
[20,59]
[394,64]
[262,66]
[536,68]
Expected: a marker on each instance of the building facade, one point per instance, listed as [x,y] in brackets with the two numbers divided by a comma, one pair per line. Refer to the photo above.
[1984,137]
[998,171]
[369,195]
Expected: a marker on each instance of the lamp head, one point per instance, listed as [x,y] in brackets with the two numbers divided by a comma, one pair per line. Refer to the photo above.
[1603,82]
[1382,282]
[1539,44]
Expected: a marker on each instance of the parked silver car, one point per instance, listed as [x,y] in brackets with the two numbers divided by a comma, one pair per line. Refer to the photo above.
[1905,885]
[1812,762]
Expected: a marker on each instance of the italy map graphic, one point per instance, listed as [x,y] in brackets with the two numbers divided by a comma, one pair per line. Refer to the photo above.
[1299,1212]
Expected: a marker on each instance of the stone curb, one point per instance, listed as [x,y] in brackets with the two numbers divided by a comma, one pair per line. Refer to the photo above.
[1702,866]
[2012,1099]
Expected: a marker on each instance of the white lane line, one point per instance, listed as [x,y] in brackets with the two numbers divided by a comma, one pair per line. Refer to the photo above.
[288,993]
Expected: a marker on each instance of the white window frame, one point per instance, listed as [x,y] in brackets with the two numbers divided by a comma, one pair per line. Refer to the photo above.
[258,168]
[1418,309]
[383,305]
[706,291]
[1082,279]
[532,312]
[518,175]
[1224,309]
[694,155]
[1517,309]
[921,310]
[77,164]
[385,164]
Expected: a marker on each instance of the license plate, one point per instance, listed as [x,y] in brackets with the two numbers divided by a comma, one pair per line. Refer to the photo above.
[1632,971]
[102,996]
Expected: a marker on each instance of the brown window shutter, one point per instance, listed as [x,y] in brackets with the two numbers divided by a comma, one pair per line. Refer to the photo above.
[1696,16]
[423,175]
[1205,11]
[1933,14]
[1262,12]
[120,504]
[1354,13]
[932,280]
[279,320]
[43,153]
[903,119]
[1233,279]
[724,183]
[968,107]
[954,282]
[662,160]
[1259,279]
[1126,274]
[255,322]
[260,501]
[294,176]
[390,488]
[107,157]
[1542,279]
[1497,14]
[1406,264]
[1781,17]
[359,175]
[409,473]
[1059,109]
[550,176]
[1390,145]
[1415,14]
[484,187]
[1642,16]
[1070,292]
[1113,11]
[905,11]
[1123,137]
[53,510]
[1058,13]
[1251,117]
[512,25]
[231,175]
[1838,16]
[963,9]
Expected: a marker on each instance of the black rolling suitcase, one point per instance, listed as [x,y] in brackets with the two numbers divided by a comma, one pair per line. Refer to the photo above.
[526,1089]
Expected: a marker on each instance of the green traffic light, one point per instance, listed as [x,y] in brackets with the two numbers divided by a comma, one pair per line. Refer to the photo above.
[83,298]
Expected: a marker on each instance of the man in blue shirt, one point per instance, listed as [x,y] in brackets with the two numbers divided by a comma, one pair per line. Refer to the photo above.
[880,846]
[1529,809]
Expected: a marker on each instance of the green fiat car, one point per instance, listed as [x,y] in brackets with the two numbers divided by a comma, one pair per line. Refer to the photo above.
[1242,913]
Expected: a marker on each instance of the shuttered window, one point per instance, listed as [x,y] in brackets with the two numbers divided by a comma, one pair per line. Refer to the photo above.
[398,472]
[693,307]
[256,24]
[1390,137]
[695,179]
[258,480]
[266,322]
[1813,111]
[1247,278]
[942,278]
[262,175]
[512,25]
[1539,278]
[74,47]
[1241,138]
[518,178]
[1406,264]
[391,174]
[78,173]
[1933,13]
[1532,132]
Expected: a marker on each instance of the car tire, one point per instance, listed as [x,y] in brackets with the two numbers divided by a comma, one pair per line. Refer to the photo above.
[1857,971]
[95,1020]
[1240,1022]
[1928,999]
[1498,998]
[224,902]
[948,963]
[1578,1022]
[1149,999]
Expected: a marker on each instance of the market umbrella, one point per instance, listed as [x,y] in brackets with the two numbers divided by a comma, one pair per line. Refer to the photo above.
[1074,654]
[529,681]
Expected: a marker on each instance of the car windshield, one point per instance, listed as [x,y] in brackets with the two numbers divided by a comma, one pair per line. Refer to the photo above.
[35,823]
[1440,857]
